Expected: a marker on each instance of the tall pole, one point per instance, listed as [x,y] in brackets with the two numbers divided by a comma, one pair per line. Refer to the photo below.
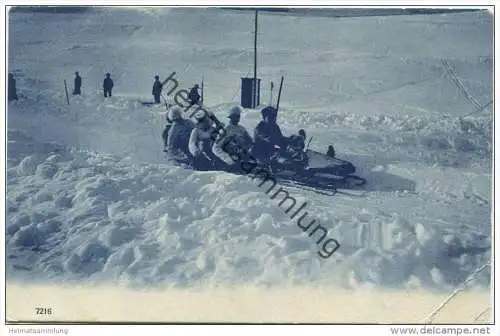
[255,62]
[271,99]
[279,94]
[202,90]
[66,89]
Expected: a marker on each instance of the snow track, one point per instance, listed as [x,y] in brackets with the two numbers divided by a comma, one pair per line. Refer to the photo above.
[460,84]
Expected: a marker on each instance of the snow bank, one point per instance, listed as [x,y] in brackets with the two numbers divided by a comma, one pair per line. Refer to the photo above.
[433,139]
[76,214]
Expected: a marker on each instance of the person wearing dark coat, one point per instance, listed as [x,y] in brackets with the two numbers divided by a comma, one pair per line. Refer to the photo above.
[194,96]
[268,136]
[107,85]
[12,94]
[331,151]
[78,84]
[157,87]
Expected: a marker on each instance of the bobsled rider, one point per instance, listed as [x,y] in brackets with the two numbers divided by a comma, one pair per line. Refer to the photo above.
[234,140]
[269,140]
[177,140]
[201,142]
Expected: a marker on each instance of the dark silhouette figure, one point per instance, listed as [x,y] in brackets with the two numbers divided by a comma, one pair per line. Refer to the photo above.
[78,84]
[194,96]
[107,85]
[12,88]
[157,87]
[301,140]
[330,152]
[268,136]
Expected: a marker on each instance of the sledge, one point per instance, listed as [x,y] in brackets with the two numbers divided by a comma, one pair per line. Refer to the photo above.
[321,173]
[317,170]
[296,164]
[307,166]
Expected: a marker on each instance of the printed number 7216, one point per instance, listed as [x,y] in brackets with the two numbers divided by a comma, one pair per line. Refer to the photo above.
[43,311]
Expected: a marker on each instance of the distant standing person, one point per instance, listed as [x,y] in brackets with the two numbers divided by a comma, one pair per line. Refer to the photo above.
[194,96]
[12,88]
[107,85]
[331,151]
[78,84]
[157,87]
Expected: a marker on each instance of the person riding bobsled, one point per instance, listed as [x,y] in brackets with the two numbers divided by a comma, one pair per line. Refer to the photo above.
[234,141]
[201,142]
[296,149]
[270,144]
[178,134]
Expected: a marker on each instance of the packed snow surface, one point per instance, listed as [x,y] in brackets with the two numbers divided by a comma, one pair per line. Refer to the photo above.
[91,198]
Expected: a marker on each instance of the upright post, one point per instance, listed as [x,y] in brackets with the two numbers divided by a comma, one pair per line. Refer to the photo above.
[279,94]
[254,98]
[202,90]
[271,98]
[66,89]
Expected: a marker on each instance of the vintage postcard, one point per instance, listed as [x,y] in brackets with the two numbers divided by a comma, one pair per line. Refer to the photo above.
[234,164]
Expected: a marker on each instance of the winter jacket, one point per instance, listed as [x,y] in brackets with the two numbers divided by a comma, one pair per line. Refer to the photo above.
[194,96]
[234,135]
[108,83]
[268,135]
[78,82]
[179,135]
[201,141]
[157,86]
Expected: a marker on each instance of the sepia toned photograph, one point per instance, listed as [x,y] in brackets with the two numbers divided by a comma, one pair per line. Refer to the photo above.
[231,164]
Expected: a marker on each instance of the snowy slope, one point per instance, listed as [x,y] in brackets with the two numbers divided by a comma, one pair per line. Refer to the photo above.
[91,198]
